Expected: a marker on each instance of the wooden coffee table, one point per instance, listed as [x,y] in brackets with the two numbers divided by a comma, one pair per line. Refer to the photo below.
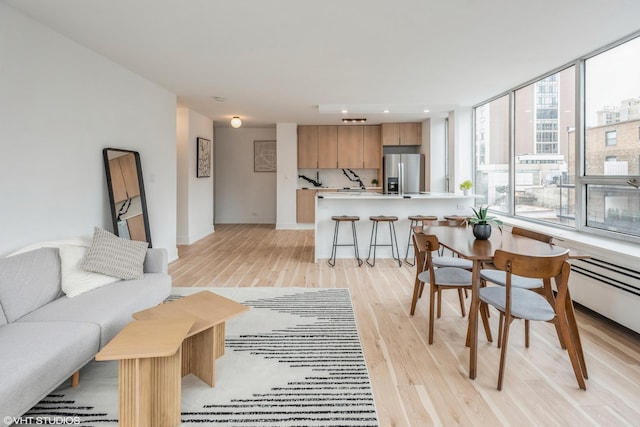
[205,340]
[149,377]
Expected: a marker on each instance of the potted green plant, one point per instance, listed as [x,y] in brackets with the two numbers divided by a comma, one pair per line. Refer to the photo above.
[374,182]
[482,223]
[465,186]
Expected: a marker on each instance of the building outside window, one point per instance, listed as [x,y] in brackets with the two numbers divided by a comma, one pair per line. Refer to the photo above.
[610,138]
[492,153]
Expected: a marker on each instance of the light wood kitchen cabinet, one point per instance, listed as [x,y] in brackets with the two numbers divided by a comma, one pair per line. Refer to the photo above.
[331,147]
[350,147]
[305,206]
[401,133]
[372,147]
[327,147]
[307,147]
[390,133]
[410,134]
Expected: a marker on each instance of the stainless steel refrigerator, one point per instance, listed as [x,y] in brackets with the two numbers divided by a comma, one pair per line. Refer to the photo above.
[403,173]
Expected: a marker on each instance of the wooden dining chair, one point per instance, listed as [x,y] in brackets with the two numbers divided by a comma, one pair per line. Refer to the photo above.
[439,279]
[438,260]
[537,284]
[421,266]
[521,303]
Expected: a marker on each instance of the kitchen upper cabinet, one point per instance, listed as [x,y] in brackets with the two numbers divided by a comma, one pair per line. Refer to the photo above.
[331,147]
[327,147]
[401,133]
[350,147]
[372,147]
[410,133]
[307,147]
[390,133]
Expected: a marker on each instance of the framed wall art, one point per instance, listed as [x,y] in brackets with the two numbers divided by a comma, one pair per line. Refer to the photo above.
[203,159]
[264,156]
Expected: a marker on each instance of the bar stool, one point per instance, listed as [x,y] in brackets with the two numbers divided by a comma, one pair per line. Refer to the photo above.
[373,242]
[415,219]
[338,220]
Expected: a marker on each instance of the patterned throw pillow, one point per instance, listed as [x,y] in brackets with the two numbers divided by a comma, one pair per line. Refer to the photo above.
[114,256]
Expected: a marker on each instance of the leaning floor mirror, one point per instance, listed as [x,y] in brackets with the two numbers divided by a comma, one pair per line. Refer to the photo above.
[126,194]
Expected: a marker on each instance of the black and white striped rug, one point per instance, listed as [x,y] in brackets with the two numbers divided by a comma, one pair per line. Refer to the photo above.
[294,359]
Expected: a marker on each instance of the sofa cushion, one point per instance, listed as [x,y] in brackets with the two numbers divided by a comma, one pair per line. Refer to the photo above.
[28,281]
[115,256]
[110,306]
[75,280]
[37,357]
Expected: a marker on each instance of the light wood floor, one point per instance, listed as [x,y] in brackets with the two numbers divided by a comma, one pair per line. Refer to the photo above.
[416,384]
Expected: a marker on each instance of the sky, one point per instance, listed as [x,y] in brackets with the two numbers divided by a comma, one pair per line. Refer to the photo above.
[612,76]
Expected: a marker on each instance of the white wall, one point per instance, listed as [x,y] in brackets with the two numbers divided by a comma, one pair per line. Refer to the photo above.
[242,195]
[287,175]
[60,105]
[437,153]
[425,149]
[195,195]
[463,145]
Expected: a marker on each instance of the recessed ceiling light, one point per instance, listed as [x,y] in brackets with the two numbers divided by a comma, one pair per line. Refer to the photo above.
[344,111]
[386,111]
[361,120]
[427,111]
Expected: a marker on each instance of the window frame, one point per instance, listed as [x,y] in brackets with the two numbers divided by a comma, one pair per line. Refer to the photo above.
[582,181]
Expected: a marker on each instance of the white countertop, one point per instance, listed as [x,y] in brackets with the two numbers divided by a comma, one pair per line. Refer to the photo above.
[379,196]
[366,204]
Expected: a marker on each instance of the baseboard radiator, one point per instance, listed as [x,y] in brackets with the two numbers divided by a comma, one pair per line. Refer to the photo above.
[607,283]
[609,274]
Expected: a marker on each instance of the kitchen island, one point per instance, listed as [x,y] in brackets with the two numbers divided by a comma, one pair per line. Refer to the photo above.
[365,204]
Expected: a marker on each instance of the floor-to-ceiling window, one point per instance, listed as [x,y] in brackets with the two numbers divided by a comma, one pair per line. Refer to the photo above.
[544,113]
[612,138]
[531,160]
[492,153]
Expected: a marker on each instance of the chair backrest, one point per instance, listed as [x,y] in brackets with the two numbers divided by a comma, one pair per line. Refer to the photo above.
[532,234]
[541,267]
[424,245]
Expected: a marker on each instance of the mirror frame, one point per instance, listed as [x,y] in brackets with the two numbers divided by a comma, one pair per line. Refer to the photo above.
[143,199]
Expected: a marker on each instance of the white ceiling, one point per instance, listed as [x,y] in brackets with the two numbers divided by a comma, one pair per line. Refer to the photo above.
[279,60]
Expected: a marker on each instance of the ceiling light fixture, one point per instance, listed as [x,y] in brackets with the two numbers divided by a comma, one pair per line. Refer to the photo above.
[344,111]
[426,111]
[236,122]
[385,111]
[354,120]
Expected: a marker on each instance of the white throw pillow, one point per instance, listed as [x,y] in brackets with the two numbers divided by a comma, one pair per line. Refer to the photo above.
[76,280]
[76,241]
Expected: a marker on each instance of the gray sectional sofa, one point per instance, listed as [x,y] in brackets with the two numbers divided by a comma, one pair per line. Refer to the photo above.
[45,336]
